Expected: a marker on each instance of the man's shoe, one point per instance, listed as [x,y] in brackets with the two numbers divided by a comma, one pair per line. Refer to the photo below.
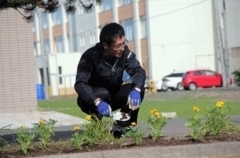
[118,131]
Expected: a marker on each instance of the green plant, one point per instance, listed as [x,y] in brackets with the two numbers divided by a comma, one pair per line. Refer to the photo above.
[24,138]
[44,129]
[97,130]
[236,74]
[156,122]
[135,134]
[215,122]
[195,124]
[77,139]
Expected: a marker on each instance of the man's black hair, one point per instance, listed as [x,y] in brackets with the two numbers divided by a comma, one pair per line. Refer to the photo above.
[111,31]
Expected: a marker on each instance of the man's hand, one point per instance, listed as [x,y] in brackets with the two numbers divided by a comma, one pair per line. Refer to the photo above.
[134,99]
[104,109]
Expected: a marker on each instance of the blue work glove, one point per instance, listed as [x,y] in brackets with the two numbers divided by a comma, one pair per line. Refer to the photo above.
[134,99]
[104,109]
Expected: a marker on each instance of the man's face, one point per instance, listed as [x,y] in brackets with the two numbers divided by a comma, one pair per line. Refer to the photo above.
[117,47]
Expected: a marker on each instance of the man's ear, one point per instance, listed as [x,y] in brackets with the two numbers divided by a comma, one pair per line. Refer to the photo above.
[105,45]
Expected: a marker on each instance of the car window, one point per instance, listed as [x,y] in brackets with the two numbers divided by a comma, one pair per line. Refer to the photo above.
[186,73]
[210,73]
[175,75]
[179,74]
[198,73]
[170,75]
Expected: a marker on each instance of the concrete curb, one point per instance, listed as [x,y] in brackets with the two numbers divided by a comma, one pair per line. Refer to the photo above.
[169,115]
[212,150]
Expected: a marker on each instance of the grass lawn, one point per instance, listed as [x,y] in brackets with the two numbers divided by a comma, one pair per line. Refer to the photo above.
[183,107]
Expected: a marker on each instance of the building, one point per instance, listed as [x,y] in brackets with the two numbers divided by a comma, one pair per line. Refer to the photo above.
[232,24]
[167,36]
[183,35]
[17,79]
[60,48]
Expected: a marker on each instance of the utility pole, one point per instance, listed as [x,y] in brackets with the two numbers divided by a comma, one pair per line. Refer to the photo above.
[226,51]
[221,57]
[45,78]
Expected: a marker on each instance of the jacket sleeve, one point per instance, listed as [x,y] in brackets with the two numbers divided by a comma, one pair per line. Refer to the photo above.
[81,86]
[134,69]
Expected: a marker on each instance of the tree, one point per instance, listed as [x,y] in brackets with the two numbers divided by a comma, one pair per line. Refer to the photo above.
[27,8]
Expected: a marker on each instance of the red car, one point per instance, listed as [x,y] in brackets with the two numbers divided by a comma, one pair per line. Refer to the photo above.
[201,78]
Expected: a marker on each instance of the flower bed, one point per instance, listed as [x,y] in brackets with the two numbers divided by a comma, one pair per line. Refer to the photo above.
[213,127]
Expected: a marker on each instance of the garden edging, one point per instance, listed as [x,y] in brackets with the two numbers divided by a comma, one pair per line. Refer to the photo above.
[222,149]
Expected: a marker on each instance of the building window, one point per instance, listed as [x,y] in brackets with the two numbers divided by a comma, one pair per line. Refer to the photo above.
[58,18]
[129,28]
[46,46]
[82,40]
[143,26]
[80,10]
[125,2]
[92,38]
[107,5]
[35,52]
[44,20]
[60,73]
[59,44]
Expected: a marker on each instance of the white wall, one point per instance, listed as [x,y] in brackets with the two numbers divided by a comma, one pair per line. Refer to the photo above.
[180,36]
[68,62]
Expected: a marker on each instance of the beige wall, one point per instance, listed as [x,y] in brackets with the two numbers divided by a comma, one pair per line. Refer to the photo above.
[17,78]
[105,17]
[142,7]
[125,12]
[131,46]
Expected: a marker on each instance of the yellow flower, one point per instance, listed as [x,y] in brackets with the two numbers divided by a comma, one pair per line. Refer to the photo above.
[133,123]
[156,113]
[22,127]
[220,104]
[88,117]
[41,121]
[76,128]
[158,116]
[195,109]
[153,111]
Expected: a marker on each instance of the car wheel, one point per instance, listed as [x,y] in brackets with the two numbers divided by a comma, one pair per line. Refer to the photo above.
[164,88]
[179,87]
[192,86]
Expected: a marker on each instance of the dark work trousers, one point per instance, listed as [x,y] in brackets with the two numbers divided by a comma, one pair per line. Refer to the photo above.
[117,101]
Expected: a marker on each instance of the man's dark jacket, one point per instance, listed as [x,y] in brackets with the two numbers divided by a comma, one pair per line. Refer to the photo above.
[95,70]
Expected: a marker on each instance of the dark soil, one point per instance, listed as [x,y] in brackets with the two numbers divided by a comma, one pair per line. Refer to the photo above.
[64,147]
